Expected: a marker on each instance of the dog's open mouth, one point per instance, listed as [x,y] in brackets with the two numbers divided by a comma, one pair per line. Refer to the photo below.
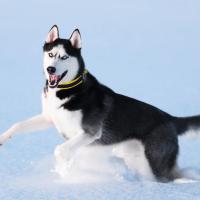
[55,79]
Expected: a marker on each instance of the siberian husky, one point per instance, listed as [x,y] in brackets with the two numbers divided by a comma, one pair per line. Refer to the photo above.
[86,112]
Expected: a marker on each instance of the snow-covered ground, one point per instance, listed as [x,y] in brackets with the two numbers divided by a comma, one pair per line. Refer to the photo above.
[145,49]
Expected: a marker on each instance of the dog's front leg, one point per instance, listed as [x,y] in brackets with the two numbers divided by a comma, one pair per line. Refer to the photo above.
[36,123]
[65,151]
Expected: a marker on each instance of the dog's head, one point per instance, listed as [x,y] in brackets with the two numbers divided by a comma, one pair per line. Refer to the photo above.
[62,57]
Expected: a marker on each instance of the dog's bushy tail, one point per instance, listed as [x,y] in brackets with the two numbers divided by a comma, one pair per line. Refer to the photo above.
[186,124]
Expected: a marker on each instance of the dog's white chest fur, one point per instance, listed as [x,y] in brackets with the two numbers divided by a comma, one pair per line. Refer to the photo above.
[67,123]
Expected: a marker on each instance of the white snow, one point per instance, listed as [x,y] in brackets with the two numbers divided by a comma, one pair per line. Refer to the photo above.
[157,62]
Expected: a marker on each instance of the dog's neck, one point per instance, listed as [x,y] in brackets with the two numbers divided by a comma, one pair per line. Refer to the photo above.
[67,89]
[73,83]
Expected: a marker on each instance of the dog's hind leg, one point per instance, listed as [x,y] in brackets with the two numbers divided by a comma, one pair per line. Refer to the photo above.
[133,154]
[36,123]
[161,149]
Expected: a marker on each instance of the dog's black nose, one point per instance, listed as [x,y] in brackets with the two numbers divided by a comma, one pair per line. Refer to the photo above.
[51,70]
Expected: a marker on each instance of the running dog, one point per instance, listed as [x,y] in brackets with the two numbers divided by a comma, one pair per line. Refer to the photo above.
[85,112]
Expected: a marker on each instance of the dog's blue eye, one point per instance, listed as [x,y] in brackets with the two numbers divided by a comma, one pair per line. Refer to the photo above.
[50,55]
[64,57]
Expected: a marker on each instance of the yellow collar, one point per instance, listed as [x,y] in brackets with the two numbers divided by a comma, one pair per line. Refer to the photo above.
[75,82]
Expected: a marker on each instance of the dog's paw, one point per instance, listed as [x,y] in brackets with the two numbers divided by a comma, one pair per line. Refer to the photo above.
[63,153]
[63,168]
[4,137]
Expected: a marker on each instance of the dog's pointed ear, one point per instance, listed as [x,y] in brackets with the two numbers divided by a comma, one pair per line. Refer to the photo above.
[75,39]
[52,35]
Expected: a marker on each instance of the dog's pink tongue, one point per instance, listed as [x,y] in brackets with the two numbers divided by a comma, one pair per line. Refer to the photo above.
[53,77]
